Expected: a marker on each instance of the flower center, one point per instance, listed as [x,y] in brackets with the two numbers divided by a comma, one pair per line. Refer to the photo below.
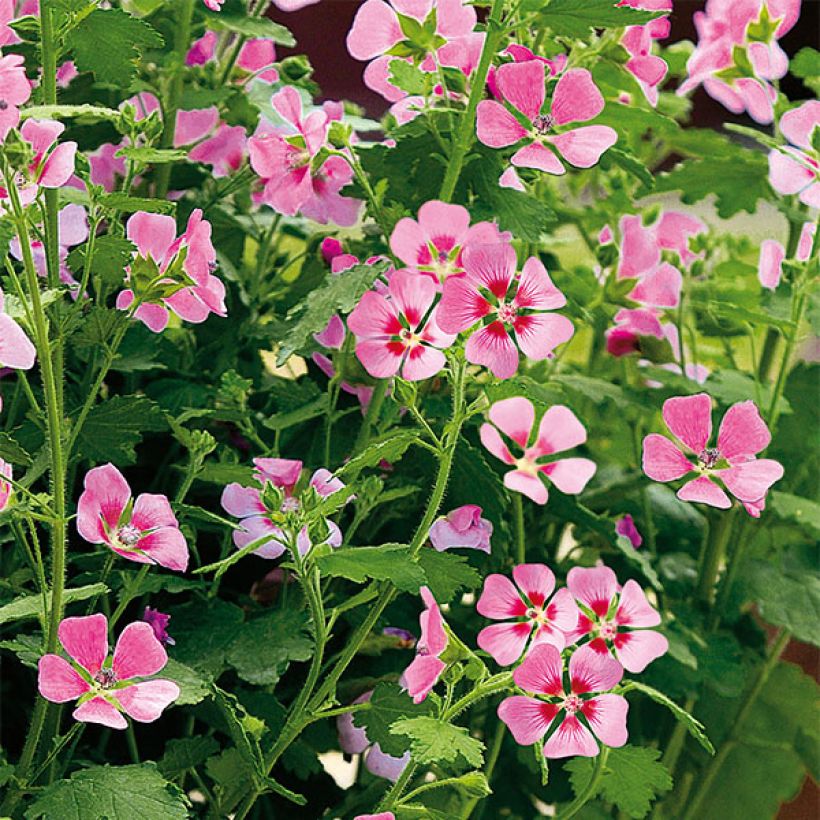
[535,613]
[572,704]
[709,457]
[105,678]
[409,338]
[607,630]
[290,504]
[128,535]
[543,122]
[506,313]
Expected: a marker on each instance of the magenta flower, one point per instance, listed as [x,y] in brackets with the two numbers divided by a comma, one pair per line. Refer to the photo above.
[576,99]
[625,526]
[536,618]
[144,530]
[398,332]
[203,49]
[559,430]
[15,90]
[772,254]
[354,741]
[507,304]
[158,621]
[462,527]
[425,669]
[105,690]
[166,263]
[214,5]
[5,484]
[614,619]
[16,349]
[796,168]
[742,435]
[591,676]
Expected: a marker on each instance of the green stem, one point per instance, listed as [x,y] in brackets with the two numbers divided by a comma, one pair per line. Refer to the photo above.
[48,58]
[489,767]
[520,535]
[372,414]
[589,791]
[376,210]
[713,556]
[128,595]
[466,133]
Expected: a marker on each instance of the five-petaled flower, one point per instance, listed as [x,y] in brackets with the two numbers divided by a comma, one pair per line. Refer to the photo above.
[425,669]
[534,612]
[591,677]
[105,690]
[742,435]
[558,430]
[145,530]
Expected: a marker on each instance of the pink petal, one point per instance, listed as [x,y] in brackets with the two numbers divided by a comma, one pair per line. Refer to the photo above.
[153,234]
[659,288]
[59,166]
[522,85]
[504,642]
[408,241]
[705,491]
[570,475]
[582,147]
[662,460]
[151,511]
[514,417]
[440,219]
[535,155]
[491,266]
[743,433]
[154,317]
[145,702]
[636,650]
[422,675]
[105,497]
[58,681]
[559,430]
[634,609]
[374,316]
[422,362]
[500,599]
[384,765]
[571,738]
[352,739]
[539,334]
[412,294]
[492,347]
[497,127]
[86,640]
[757,100]
[576,98]
[138,653]
[536,581]
[380,359]
[491,439]
[549,634]
[639,249]
[255,528]
[606,715]
[811,196]
[433,638]
[241,501]
[673,230]
[541,671]
[192,126]
[594,587]
[591,671]
[751,481]
[375,30]
[787,175]
[526,718]
[455,18]
[536,289]
[16,350]
[461,305]
[797,125]
[689,418]
[510,179]
[99,710]
[167,546]
[562,611]
[527,484]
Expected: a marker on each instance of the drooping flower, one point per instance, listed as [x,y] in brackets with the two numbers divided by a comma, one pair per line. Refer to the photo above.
[5,484]
[159,621]
[462,527]
[576,99]
[15,90]
[795,169]
[742,435]
[647,68]
[425,669]
[144,530]
[591,676]
[172,273]
[397,332]
[536,616]
[559,430]
[354,741]
[772,254]
[508,305]
[16,349]
[615,619]
[107,691]
[625,526]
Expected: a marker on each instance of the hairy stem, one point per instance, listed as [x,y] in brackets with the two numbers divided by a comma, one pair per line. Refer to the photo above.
[589,791]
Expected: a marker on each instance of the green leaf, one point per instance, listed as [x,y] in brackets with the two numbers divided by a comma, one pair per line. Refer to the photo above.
[61,112]
[108,42]
[806,63]
[390,447]
[31,606]
[186,753]
[447,574]
[114,427]
[154,156]
[340,293]
[119,201]
[631,164]
[639,559]
[204,633]
[436,741]
[12,452]
[633,777]
[801,511]
[388,562]
[111,256]
[252,27]
[389,704]
[575,18]
[136,792]
[193,687]
[409,78]
[311,410]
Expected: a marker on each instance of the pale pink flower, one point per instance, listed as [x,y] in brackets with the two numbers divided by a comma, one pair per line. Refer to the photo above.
[532,614]
[106,692]
[742,435]
[462,527]
[559,430]
[795,169]
[522,54]
[614,619]
[433,245]
[158,621]
[625,526]
[158,248]
[424,671]
[293,5]
[257,57]
[508,305]
[576,99]
[648,69]
[354,741]
[107,164]
[5,485]
[224,150]
[144,530]
[397,332]
[15,90]
[591,677]
[16,349]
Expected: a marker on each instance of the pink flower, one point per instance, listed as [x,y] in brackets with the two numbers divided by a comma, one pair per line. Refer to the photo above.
[648,69]
[331,248]
[575,99]
[293,5]
[213,5]
[158,621]
[796,170]
[434,244]
[15,90]
[164,264]
[354,741]
[591,676]
[257,57]
[104,691]
[66,73]
[559,430]
[614,619]
[224,150]
[398,332]
[382,815]
[522,54]
[462,527]
[202,50]
[534,615]
[507,304]
[107,165]
[16,349]
[5,484]
[625,526]
[423,673]
[742,435]
[144,530]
